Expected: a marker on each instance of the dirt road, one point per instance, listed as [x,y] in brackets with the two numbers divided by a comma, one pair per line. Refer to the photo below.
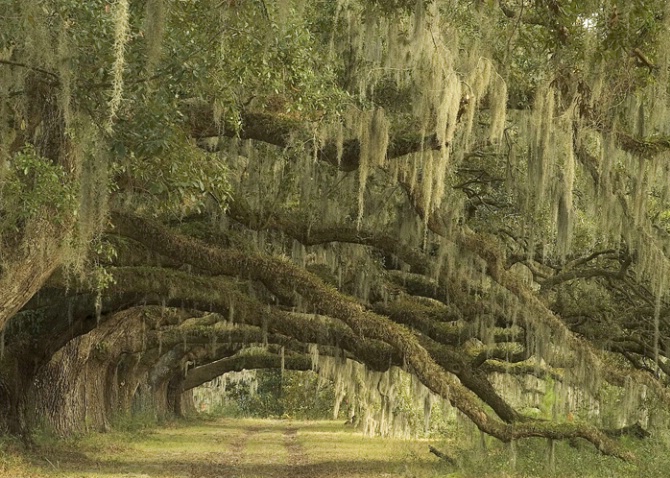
[234,449]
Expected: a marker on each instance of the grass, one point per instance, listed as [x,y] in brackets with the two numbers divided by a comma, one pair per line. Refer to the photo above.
[246,448]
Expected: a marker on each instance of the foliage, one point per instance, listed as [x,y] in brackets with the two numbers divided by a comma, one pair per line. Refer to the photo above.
[34,188]
[174,176]
[287,394]
[454,189]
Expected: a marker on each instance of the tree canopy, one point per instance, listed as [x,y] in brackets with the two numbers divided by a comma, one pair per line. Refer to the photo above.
[475,192]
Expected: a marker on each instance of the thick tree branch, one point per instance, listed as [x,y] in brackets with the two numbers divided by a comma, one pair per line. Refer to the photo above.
[279,131]
[310,235]
[205,373]
[329,302]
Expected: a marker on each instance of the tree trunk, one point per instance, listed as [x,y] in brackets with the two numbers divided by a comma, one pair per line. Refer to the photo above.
[71,391]
[14,386]
[176,402]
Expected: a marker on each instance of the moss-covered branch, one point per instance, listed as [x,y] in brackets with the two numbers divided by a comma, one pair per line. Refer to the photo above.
[181,289]
[205,373]
[328,301]
[313,234]
[280,131]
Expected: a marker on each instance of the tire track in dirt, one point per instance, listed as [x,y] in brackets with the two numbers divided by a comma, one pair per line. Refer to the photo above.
[228,463]
[297,458]
[238,447]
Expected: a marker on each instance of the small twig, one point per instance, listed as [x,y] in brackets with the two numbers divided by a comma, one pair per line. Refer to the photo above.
[643,59]
[34,68]
[49,462]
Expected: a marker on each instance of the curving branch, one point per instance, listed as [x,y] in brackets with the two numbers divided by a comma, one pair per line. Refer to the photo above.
[328,301]
[210,371]
[280,131]
[310,235]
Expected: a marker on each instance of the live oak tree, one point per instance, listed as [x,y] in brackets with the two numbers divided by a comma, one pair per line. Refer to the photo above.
[465,190]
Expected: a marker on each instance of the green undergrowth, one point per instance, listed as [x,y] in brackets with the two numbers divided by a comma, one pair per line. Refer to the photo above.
[478,457]
[13,461]
[137,422]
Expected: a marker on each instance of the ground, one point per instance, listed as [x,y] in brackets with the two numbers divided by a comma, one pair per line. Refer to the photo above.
[229,448]
[244,448]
